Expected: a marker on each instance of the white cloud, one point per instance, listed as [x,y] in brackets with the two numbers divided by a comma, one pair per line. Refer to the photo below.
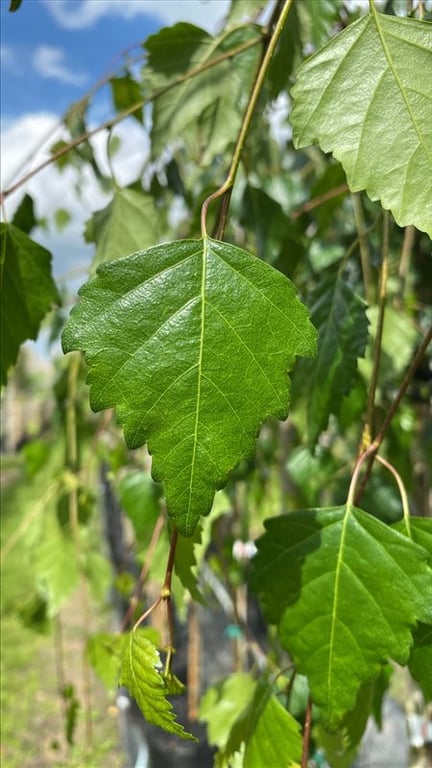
[48,61]
[78,14]
[32,135]
[7,56]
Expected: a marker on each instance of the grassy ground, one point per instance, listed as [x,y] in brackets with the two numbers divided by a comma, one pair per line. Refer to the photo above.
[32,723]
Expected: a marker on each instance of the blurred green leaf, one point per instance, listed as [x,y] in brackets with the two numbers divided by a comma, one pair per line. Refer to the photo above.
[24,217]
[204,111]
[27,292]
[340,318]
[127,224]
[125,93]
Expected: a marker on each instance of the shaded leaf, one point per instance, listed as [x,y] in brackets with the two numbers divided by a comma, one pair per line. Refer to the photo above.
[244,715]
[191,551]
[328,576]
[191,341]
[340,318]
[128,222]
[222,706]
[27,291]
[366,97]
[275,234]
[139,497]
[272,733]
[56,566]
[125,93]
[205,111]
[24,216]
[14,5]
[420,662]
[140,673]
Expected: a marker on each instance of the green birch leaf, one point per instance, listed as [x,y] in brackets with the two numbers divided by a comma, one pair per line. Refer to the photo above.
[366,97]
[24,216]
[347,591]
[274,736]
[204,111]
[141,674]
[128,222]
[420,531]
[125,93]
[191,342]
[239,712]
[420,662]
[56,566]
[139,497]
[224,708]
[27,289]
[340,317]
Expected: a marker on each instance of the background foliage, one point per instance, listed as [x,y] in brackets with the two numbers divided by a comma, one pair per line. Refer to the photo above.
[190,340]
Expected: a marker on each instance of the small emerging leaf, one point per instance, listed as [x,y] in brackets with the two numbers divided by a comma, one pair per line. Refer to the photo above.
[141,674]
[191,341]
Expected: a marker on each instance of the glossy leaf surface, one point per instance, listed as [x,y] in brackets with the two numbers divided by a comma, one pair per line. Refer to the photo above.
[27,291]
[191,342]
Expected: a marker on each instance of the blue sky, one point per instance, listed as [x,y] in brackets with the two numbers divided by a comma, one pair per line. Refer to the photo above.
[54,50]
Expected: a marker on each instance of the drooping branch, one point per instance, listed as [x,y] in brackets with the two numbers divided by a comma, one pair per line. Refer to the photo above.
[111,122]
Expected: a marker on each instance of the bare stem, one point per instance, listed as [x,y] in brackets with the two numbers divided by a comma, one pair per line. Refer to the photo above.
[307,733]
[402,491]
[144,572]
[166,593]
[418,357]
[246,122]
[363,245]
[380,324]
[368,453]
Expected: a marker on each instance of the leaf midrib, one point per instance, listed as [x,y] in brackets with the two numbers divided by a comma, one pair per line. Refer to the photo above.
[397,79]
[199,378]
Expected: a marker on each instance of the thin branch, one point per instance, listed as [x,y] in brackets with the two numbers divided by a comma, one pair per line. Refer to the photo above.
[380,325]
[144,572]
[246,122]
[402,490]
[415,362]
[418,357]
[368,453]
[166,595]
[363,245]
[307,734]
[193,72]
[28,519]
[309,205]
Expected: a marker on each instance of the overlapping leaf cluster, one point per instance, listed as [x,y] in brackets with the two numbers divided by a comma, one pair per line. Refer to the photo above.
[194,341]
